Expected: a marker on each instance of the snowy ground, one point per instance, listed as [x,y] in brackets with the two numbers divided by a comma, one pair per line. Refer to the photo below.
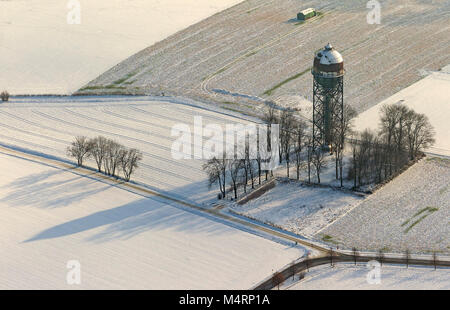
[411,212]
[327,172]
[50,215]
[258,49]
[350,277]
[301,209]
[48,125]
[430,96]
[47,55]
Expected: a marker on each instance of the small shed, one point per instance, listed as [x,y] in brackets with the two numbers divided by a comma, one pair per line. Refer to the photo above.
[306,14]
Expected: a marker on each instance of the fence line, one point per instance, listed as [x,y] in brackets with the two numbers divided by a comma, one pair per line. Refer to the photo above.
[308,263]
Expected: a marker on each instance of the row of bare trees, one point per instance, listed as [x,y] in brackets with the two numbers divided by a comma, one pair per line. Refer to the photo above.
[296,141]
[238,171]
[294,138]
[294,146]
[292,143]
[109,156]
[402,136]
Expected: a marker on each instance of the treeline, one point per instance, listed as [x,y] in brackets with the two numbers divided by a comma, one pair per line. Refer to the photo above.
[238,171]
[111,157]
[374,157]
[402,136]
[293,146]
[296,142]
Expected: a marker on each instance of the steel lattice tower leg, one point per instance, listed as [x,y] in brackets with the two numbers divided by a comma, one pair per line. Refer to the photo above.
[328,111]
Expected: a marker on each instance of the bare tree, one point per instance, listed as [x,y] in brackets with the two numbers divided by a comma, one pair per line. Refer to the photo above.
[341,131]
[270,117]
[299,135]
[250,162]
[388,122]
[129,160]
[363,167]
[309,145]
[394,118]
[79,149]
[215,168]
[403,114]
[435,260]
[364,158]
[379,159]
[112,158]
[244,174]
[287,123]
[99,151]
[4,95]
[247,163]
[234,167]
[318,161]
[420,134]
[380,256]
[407,257]
[353,168]
[259,156]
[355,254]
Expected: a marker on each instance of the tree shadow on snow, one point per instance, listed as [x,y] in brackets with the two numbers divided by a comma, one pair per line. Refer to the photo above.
[130,219]
[42,191]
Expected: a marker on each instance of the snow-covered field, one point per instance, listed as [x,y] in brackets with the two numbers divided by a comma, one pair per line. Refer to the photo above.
[50,215]
[48,125]
[258,48]
[46,55]
[411,212]
[350,277]
[430,96]
[301,209]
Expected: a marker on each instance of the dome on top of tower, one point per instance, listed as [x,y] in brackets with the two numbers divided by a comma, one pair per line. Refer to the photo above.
[329,55]
[328,61]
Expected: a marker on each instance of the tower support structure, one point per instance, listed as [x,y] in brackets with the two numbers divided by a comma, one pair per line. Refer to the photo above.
[328,111]
[328,99]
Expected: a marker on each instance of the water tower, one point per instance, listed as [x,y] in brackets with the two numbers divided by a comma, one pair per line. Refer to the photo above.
[328,96]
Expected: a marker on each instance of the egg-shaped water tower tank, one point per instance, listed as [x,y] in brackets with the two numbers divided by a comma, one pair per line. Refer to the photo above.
[328,101]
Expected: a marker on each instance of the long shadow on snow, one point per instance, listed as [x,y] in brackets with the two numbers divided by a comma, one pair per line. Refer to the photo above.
[39,190]
[134,218]
[149,213]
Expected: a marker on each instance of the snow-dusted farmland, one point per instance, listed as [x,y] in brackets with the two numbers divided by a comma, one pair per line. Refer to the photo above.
[350,277]
[48,125]
[46,55]
[411,212]
[257,48]
[301,209]
[430,96]
[50,215]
